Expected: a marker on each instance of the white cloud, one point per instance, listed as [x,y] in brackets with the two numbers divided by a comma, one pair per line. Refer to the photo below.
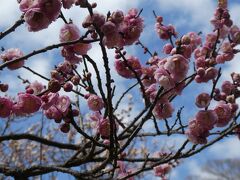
[188,12]
[229,148]
[9,13]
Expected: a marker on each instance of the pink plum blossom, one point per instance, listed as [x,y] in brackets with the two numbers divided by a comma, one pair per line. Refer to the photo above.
[206,118]
[6,106]
[196,133]
[69,32]
[203,100]
[104,127]
[162,170]
[11,54]
[163,111]
[177,66]
[62,104]
[37,87]
[49,100]
[123,67]
[27,103]
[95,103]
[36,19]
[224,114]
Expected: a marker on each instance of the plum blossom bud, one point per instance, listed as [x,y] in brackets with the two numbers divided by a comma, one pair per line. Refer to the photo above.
[11,54]
[75,80]
[167,48]
[67,87]
[65,128]
[3,87]
[29,91]
[211,73]
[164,78]
[203,100]
[108,28]
[95,103]
[6,106]
[117,17]
[227,87]
[236,78]
[54,86]
[75,112]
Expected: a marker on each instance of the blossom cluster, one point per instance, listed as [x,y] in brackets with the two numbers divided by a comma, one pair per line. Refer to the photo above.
[118,29]
[38,14]
[219,116]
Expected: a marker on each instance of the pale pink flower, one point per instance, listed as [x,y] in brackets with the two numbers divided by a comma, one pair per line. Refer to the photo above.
[96,19]
[177,66]
[62,104]
[95,103]
[11,54]
[69,32]
[70,56]
[81,48]
[37,87]
[164,78]
[109,28]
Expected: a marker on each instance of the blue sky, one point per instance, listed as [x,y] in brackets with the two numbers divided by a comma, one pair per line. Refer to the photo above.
[186,15]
